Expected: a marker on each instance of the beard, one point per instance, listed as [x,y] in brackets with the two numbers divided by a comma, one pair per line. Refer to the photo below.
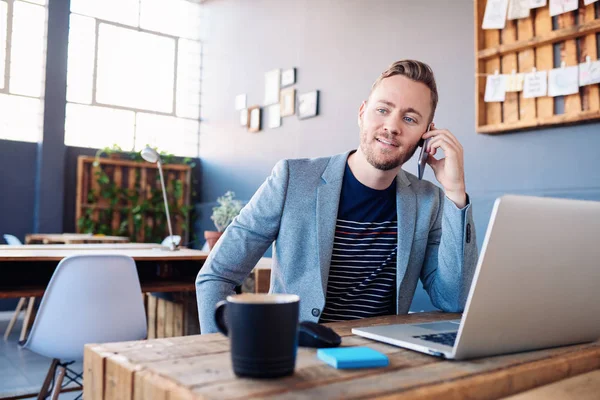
[381,162]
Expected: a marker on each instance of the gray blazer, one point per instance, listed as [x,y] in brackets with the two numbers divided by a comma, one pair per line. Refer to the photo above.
[297,207]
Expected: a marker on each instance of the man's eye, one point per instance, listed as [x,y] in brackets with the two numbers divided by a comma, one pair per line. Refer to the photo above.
[409,119]
[382,111]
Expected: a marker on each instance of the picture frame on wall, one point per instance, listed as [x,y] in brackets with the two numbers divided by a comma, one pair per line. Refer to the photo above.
[288,77]
[272,86]
[254,118]
[274,117]
[308,105]
[244,117]
[287,102]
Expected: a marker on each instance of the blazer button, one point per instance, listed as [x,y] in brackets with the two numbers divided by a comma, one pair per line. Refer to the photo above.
[315,312]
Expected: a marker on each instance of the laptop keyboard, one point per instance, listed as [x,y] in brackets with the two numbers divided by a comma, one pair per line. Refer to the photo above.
[443,338]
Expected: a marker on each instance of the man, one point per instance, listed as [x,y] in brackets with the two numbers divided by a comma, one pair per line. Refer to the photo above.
[354,232]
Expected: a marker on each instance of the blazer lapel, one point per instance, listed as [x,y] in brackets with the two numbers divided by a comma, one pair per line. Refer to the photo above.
[406,209]
[328,198]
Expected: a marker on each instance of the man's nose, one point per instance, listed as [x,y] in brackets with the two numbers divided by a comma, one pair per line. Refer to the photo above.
[392,127]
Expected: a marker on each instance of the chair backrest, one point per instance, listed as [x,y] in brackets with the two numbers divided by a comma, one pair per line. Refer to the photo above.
[167,241]
[90,299]
[12,240]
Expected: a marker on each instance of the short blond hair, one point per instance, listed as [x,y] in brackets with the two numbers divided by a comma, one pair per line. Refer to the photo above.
[416,71]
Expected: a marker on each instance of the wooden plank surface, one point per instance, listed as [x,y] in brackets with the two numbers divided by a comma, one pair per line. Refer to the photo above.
[547,39]
[40,254]
[200,367]
[590,94]
[544,61]
[581,387]
[510,107]
[526,62]
[568,54]
[82,246]
[493,111]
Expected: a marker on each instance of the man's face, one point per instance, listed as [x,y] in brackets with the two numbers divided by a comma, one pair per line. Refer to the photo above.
[393,120]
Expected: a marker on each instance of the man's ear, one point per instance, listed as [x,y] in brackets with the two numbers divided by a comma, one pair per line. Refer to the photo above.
[361,112]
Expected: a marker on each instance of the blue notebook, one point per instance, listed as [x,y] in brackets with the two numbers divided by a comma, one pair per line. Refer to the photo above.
[352,357]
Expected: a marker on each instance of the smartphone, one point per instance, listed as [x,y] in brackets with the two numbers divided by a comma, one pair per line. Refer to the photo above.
[423,155]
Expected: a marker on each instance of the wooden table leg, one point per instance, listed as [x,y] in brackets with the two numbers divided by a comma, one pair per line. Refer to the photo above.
[14,317]
[27,318]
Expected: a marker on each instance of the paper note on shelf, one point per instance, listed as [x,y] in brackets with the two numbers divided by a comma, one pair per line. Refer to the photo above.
[518,9]
[537,3]
[495,14]
[563,81]
[588,2]
[589,73]
[495,88]
[535,84]
[514,82]
[558,7]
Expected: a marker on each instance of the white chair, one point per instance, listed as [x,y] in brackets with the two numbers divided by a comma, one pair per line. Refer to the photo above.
[167,241]
[14,241]
[90,299]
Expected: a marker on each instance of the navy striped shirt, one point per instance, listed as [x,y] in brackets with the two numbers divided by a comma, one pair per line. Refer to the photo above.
[362,274]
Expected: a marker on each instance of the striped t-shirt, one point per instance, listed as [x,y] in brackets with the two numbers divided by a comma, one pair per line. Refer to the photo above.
[362,274]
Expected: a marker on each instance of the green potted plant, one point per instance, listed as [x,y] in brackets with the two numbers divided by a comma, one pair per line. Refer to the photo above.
[228,208]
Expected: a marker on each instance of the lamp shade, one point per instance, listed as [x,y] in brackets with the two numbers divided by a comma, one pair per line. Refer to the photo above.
[149,154]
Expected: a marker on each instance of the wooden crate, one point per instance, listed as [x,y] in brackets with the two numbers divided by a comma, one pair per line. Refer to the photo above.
[170,318]
[532,42]
[139,179]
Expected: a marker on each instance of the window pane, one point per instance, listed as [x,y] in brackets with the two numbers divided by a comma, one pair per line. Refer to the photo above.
[135,69]
[98,127]
[189,62]
[3,25]
[21,118]
[27,47]
[173,17]
[173,135]
[40,2]
[122,11]
[80,67]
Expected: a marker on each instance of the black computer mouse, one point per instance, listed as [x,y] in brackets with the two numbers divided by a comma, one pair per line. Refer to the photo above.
[311,334]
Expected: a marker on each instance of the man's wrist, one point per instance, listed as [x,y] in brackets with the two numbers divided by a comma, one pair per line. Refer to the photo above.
[459,198]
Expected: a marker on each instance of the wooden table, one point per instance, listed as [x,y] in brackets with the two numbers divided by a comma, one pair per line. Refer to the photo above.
[199,367]
[72,238]
[26,270]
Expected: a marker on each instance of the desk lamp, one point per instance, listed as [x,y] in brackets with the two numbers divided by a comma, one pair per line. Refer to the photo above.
[152,156]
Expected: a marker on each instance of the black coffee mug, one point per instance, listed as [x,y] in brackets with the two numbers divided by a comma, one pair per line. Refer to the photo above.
[263,329]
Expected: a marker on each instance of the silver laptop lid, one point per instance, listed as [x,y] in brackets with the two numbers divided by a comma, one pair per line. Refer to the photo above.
[537,283]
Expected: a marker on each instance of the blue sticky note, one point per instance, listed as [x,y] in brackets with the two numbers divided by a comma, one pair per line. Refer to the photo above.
[352,357]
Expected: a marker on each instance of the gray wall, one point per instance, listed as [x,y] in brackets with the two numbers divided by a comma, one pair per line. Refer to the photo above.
[340,47]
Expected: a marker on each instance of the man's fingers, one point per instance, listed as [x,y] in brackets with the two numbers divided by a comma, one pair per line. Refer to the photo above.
[441,141]
[443,132]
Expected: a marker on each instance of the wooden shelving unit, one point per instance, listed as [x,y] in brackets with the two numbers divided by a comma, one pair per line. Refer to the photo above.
[542,42]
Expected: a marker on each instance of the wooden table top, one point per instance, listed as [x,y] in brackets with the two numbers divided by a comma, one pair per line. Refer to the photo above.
[81,246]
[55,253]
[73,238]
[199,367]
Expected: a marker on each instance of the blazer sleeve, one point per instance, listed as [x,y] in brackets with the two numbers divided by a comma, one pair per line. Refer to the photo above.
[451,256]
[242,245]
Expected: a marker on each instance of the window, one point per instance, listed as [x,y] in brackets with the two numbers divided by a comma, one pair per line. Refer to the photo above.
[22,69]
[133,75]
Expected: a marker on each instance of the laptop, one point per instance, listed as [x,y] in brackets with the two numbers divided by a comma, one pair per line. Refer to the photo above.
[536,285]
